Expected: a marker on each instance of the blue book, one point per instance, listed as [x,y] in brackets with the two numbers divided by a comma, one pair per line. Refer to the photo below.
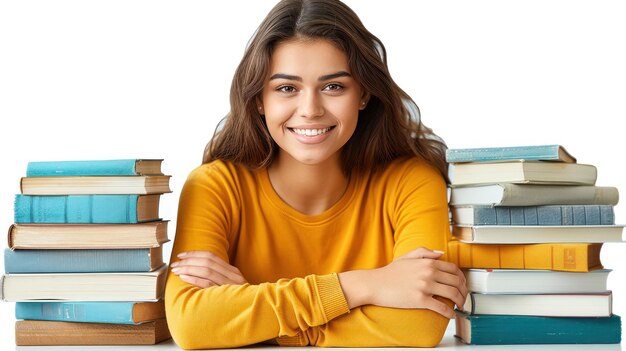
[91,312]
[534,215]
[494,154]
[82,261]
[129,167]
[86,209]
[510,330]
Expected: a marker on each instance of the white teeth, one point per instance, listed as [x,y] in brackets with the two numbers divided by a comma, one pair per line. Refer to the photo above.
[311,132]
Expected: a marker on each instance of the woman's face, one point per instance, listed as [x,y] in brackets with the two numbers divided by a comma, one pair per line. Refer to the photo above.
[310,100]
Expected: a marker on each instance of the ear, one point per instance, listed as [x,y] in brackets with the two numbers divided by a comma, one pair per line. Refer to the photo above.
[365,98]
[259,105]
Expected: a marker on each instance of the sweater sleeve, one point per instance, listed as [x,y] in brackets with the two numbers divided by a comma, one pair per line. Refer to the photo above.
[419,213]
[236,315]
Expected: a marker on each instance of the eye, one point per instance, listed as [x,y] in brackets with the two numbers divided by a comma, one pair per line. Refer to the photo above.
[286,89]
[334,87]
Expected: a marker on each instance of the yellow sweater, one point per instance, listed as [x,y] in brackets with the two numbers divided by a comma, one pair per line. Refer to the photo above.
[291,260]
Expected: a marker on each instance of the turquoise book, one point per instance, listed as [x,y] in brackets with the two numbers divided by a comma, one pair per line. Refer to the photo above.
[511,330]
[511,153]
[534,215]
[86,209]
[126,167]
[82,261]
[91,312]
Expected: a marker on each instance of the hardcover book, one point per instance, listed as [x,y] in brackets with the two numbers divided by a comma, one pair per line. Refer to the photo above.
[96,209]
[88,236]
[41,333]
[87,185]
[510,234]
[508,194]
[83,261]
[91,312]
[128,167]
[522,172]
[503,330]
[578,257]
[492,154]
[126,286]
[534,215]
[511,281]
[547,305]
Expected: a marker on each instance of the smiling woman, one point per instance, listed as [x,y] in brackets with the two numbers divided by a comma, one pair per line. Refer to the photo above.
[320,209]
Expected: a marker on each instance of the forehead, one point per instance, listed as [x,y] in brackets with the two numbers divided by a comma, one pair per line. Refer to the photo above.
[301,56]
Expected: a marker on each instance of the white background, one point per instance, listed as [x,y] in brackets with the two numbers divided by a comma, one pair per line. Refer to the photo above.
[150,79]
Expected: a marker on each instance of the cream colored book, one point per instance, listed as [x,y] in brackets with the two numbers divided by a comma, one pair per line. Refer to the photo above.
[87,185]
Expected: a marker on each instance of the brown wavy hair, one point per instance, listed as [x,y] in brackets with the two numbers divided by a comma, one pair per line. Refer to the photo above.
[388,128]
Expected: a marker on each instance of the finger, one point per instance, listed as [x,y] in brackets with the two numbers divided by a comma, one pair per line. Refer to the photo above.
[448,292]
[208,255]
[199,282]
[452,280]
[235,277]
[203,273]
[439,307]
[423,252]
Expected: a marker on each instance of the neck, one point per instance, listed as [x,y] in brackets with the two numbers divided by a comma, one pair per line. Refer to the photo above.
[309,189]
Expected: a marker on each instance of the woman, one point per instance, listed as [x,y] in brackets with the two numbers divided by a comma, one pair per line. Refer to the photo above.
[320,209]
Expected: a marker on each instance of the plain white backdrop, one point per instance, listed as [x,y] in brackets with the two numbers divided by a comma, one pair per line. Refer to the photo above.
[150,79]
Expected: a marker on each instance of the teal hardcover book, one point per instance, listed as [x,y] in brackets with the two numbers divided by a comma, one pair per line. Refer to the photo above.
[534,215]
[129,167]
[82,261]
[85,209]
[510,330]
[494,154]
[91,312]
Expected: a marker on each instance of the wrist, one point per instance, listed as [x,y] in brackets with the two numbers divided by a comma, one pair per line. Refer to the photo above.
[356,287]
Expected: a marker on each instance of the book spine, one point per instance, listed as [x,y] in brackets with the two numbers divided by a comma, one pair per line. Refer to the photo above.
[78,209]
[530,153]
[545,215]
[502,330]
[557,257]
[84,312]
[81,168]
[76,261]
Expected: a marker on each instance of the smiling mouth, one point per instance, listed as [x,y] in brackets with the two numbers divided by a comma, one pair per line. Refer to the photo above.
[311,132]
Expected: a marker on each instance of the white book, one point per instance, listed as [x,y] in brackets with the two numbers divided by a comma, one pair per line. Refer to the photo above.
[519,281]
[514,234]
[548,305]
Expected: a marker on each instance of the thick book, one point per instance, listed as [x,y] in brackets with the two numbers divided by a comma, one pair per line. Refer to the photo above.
[83,261]
[522,172]
[508,194]
[122,312]
[511,281]
[579,257]
[88,236]
[49,333]
[512,330]
[534,215]
[491,154]
[87,185]
[546,305]
[128,167]
[514,234]
[96,209]
[125,286]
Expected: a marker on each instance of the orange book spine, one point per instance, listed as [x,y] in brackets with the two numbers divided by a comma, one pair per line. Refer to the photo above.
[581,257]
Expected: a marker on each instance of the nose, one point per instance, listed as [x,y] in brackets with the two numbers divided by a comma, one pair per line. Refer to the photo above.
[311,105]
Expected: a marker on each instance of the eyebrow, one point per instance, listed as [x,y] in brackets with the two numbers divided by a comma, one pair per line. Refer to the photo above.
[321,78]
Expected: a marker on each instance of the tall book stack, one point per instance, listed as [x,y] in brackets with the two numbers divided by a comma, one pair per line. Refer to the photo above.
[84,263]
[529,224]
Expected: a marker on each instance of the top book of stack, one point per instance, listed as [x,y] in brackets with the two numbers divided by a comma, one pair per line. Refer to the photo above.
[131,176]
[556,153]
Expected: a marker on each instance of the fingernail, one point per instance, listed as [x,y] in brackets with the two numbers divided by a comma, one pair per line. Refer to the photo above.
[174,264]
[175,270]
[439,252]
[181,254]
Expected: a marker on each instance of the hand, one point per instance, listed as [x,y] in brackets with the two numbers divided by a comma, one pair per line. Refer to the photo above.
[412,281]
[205,269]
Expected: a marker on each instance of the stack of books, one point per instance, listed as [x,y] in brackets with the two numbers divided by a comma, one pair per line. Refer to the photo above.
[529,224]
[84,263]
